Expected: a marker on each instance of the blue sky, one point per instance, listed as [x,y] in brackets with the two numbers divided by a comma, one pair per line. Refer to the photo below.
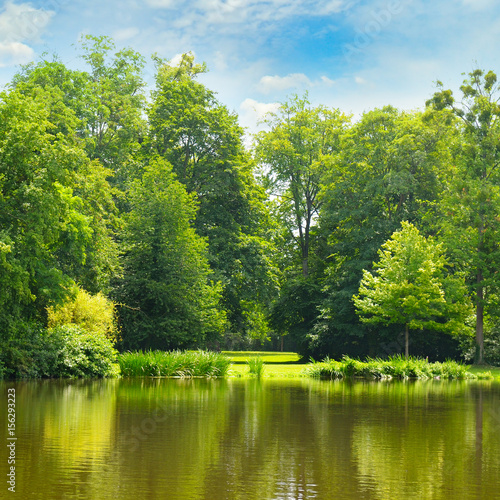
[348,54]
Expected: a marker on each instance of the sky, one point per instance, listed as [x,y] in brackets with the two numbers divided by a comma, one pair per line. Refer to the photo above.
[346,54]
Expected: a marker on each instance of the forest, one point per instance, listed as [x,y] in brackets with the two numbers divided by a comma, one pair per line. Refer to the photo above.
[138,218]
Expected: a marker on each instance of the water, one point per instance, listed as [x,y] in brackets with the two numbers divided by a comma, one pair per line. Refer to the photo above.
[249,439]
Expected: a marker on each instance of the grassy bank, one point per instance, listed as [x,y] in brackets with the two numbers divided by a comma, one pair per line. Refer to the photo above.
[286,365]
[173,364]
[395,367]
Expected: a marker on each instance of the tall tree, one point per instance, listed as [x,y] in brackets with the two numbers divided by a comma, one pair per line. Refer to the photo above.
[293,157]
[105,104]
[202,140]
[67,99]
[471,203]
[44,227]
[389,168]
[166,297]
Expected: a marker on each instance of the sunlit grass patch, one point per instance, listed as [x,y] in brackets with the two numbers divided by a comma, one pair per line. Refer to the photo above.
[267,356]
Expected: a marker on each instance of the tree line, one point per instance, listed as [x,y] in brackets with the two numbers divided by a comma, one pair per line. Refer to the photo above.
[150,201]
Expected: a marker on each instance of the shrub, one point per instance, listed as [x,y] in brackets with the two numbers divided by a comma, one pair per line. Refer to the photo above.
[26,353]
[80,353]
[95,313]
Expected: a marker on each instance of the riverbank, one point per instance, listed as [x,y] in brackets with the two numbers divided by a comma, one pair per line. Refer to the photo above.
[286,365]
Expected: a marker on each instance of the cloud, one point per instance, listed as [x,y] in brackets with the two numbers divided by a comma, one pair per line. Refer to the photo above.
[23,23]
[258,109]
[251,115]
[124,34]
[162,4]
[268,84]
[360,81]
[12,53]
[327,81]
[233,16]
[20,24]
[479,4]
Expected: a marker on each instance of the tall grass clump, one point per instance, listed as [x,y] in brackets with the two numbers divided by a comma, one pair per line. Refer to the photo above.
[173,364]
[395,367]
[256,366]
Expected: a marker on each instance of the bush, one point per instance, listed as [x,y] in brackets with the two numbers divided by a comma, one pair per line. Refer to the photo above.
[94,313]
[80,353]
[27,353]
[64,351]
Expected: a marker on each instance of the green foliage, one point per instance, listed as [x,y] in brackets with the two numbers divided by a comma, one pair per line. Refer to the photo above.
[173,364]
[294,154]
[167,298]
[82,354]
[64,351]
[395,367]
[202,141]
[94,313]
[388,169]
[470,205]
[410,286]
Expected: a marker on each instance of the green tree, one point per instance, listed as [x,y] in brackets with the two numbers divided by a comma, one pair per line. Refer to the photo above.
[202,141]
[411,287]
[293,156]
[40,214]
[389,168]
[166,297]
[471,202]
[104,104]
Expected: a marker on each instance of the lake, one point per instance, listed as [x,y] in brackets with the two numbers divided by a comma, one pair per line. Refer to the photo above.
[249,439]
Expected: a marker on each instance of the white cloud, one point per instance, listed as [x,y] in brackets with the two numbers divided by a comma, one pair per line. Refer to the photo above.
[251,114]
[360,81]
[12,53]
[258,109]
[327,81]
[162,4]
[479,4]
[220,63]
[22,22]
[124,34]
[268,84]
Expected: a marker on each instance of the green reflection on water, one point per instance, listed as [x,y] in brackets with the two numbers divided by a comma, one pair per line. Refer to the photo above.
[256,439]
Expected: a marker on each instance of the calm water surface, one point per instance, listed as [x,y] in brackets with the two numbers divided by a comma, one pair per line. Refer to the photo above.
[250,439]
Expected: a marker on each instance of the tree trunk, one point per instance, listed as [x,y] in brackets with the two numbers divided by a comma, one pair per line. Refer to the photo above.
[479,357]
[407,342]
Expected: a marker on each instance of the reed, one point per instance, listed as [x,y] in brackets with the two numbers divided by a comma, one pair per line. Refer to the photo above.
[395,367]
[256,366]
[173,364]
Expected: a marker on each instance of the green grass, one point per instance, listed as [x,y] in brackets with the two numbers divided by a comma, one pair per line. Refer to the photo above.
[287,365]
[268,357]
[396,367]
[173,364]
